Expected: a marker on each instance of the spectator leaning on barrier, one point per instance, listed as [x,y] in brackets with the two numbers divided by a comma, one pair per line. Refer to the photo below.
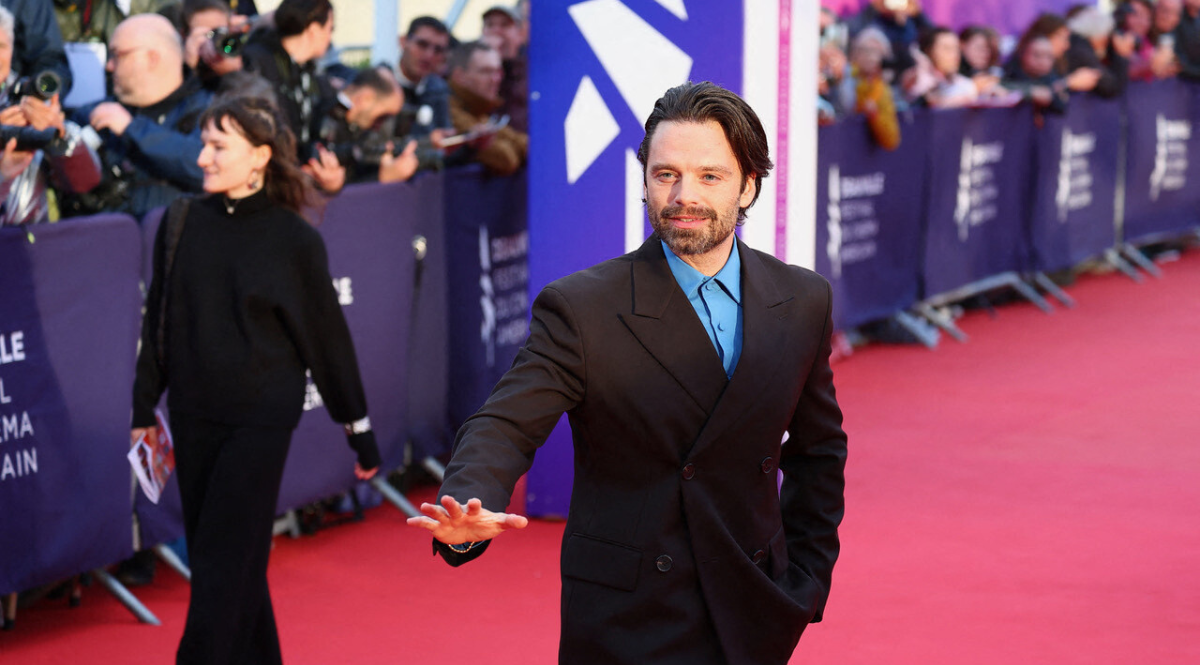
[37,41]
[147,135]
[1187,41]
[65,161]
[831,66]
[1032,73]
[359,129]
[475,73]
[937,83]
[503,30]
[287,55]
[1054,29]
[423,52]
[1166,18]
[867,91]
[1148,60]
[980,46]
[1095,47]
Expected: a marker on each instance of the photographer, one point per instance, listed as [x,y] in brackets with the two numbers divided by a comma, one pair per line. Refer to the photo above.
[65,160]
[37,43]
[359,129]
[287,55]
[213,40]
[148,132]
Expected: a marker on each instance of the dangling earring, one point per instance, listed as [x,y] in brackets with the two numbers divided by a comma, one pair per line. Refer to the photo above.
[254,182]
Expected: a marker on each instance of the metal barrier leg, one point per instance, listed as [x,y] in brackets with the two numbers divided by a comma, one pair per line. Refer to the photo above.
[172,559]
[1053,289]
[1029,293]
[941,321]
[1113,257]
[127,599]
[1140,260]
[288,524]
[395,498]
[434,468]
[921,331]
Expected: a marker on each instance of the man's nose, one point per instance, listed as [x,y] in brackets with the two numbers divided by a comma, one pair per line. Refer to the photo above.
[685,192]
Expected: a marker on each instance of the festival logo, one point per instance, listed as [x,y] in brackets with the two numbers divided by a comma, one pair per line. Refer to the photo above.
[852,220]
[1170,156]
[978,194]
[1075,180]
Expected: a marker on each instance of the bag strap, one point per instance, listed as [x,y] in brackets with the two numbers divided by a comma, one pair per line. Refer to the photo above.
[173,220]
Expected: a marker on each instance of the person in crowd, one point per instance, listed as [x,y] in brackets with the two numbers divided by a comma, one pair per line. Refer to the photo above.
[147,132]
[423,53]
[359,129]
[240,306]
[980,60]
[37,44]
[202,20]
[1035,75]
[831,66]
[1187,41]
[503,30]
[902,21]
[681,546]
[867,91]
[67,162]
[1095,47]
[475,75]
[1166,18]
[1148,61]
[1054,29]
[938,83]
[87,20]
[286,55]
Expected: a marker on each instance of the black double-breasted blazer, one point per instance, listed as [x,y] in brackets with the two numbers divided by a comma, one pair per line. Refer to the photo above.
[680,545]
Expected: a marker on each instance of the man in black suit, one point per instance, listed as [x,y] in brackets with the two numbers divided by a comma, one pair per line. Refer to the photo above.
[682,366]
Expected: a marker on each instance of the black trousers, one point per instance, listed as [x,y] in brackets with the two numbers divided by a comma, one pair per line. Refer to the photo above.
[229,481]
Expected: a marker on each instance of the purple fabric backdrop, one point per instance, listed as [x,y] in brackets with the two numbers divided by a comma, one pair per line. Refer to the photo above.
[67,342]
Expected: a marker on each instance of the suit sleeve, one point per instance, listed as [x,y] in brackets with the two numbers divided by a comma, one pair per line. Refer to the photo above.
[813,462]
[495,447]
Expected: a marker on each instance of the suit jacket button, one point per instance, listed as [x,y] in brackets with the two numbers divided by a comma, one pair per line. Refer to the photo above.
[664,563]
[758,557]
[768,465]
[689,471]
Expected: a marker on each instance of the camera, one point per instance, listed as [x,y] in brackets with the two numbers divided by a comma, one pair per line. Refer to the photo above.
[28,138]
[227,43]
[368,152]
[42,86]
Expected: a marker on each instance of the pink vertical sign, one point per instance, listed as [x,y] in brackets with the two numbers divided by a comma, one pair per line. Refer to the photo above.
[784,120]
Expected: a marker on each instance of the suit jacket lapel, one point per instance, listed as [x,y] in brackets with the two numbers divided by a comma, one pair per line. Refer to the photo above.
[665,323]
[766,335]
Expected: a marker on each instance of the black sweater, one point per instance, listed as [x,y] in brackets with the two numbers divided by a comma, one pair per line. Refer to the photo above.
[251,306]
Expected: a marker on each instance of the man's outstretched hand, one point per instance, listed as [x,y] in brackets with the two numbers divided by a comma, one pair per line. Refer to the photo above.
[453,523]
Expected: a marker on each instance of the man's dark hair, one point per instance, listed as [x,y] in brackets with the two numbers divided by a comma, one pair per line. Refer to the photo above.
[293,16]
[929,37]
[193,7]
[373,78]
[702,102]
[426,22]
[461,56]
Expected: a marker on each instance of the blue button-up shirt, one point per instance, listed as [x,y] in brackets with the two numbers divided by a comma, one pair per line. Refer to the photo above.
[717,301]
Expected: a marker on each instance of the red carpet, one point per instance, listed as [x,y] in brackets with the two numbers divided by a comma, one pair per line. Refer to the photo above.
[1029,497]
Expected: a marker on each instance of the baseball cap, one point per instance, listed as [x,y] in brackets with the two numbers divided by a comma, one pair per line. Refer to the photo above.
[510,12]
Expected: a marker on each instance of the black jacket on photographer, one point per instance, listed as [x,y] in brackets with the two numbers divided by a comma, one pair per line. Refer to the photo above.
[37,42]
[305,96]
[153,162]
[359,149]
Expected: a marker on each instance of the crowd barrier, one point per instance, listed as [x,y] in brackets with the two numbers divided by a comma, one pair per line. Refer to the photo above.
[406,274]
[971,194]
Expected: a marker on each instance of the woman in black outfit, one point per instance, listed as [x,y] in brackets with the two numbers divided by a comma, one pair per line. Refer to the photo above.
[250,306]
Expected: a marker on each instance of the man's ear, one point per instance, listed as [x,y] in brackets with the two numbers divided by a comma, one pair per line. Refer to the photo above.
[749,190]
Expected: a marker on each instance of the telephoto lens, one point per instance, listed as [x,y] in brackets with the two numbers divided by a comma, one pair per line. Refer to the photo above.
[28,138]
[42,86]
[228,44]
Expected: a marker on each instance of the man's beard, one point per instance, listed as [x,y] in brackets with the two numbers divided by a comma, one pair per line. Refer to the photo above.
[688,242]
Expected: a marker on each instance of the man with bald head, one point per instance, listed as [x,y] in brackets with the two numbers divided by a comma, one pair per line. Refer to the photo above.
[148,131]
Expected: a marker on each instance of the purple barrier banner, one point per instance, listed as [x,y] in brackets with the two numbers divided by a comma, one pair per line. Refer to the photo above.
[1010,17]
[869,218]
[368,232]
[68,336]
[487,238]
[1076,176]
[1162,191]
[979,189]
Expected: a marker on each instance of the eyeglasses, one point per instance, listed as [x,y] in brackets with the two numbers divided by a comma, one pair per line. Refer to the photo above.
[426,45]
